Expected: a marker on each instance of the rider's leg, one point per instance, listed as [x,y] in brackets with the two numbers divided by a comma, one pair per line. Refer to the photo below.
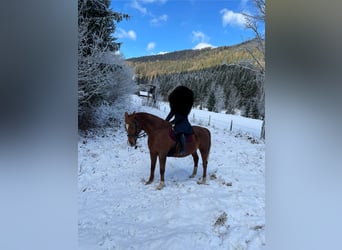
[182,143]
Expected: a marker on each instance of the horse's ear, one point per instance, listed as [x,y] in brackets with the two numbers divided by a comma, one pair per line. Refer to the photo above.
[126,114]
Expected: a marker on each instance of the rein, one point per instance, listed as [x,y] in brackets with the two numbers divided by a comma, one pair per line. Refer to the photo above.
[141,135]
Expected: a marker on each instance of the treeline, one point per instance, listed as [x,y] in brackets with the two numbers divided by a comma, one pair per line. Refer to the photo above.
[191,53]
[223,87]
[191,60]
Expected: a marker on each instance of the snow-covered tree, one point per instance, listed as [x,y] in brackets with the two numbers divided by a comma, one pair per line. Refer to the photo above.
[103,75]
[219,97]
[99,21]
[233,100]
[211,101]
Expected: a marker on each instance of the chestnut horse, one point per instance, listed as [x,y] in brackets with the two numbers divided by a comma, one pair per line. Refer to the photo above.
[160,143]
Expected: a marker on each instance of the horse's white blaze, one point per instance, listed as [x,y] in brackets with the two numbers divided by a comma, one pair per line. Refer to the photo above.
[127,126]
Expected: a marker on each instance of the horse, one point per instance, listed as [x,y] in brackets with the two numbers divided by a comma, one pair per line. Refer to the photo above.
[160,143]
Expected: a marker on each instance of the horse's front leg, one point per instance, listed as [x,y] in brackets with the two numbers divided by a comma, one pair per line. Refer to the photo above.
[153,157]
[162,163]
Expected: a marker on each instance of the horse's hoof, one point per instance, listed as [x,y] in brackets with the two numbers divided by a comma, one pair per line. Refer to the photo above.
[203,182]
[160,186]
[192,176]
[148,182]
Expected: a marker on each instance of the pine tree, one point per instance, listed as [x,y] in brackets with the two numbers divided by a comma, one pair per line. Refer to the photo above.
[99,21]
[102,75]
[232,99]
[255,112]
[211,101]
[219,98]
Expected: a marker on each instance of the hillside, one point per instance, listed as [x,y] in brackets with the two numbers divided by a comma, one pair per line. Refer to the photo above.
[192,60]
[223,79]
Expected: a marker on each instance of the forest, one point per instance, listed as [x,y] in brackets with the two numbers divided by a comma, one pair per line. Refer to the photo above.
[188,60]
[223,79]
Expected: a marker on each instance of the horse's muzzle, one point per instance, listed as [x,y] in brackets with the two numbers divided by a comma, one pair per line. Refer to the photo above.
[132,144]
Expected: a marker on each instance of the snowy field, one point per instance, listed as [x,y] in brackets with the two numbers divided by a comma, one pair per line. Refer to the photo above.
[117,211]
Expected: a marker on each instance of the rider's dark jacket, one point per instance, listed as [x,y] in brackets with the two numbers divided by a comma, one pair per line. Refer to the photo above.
[181,122]
[181,100]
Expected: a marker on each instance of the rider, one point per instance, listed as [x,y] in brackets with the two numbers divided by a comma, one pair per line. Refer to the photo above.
[181,101]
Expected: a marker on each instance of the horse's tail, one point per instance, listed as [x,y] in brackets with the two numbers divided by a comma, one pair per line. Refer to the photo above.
[209,144]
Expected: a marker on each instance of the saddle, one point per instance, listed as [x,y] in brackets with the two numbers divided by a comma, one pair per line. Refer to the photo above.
[175,149]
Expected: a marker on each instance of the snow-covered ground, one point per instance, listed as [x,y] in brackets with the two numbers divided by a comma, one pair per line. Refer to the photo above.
[117,211]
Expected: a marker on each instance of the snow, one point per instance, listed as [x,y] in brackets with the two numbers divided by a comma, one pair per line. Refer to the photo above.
[118,211]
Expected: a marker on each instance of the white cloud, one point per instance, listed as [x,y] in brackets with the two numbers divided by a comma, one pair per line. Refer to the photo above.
[132,34]
[243,3]
[136,5]
[150,46]
[124,34]
[232,18]
[198,36]
[153,1]
[159,20]
[203,45]
[201,39]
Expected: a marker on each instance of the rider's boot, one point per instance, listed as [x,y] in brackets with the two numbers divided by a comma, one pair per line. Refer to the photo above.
[182,144]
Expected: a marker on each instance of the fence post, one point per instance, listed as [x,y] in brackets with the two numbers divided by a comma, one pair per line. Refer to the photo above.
[231,125]
[262,134]
[209,120]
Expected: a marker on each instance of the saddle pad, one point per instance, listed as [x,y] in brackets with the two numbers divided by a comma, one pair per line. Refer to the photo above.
[172,134]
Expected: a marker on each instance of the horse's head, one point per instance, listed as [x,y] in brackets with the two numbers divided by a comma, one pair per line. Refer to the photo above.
[132,128]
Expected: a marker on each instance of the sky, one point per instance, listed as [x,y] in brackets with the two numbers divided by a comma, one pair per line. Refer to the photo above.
[161,26]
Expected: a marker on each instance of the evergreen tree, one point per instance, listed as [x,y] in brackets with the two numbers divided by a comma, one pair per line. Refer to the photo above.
[99,21]
[211,101]
[102,75]
[247,109]
[232,100]
[219,98]
[254,111]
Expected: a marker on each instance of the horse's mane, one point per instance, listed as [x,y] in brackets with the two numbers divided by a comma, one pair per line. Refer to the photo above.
[144,116]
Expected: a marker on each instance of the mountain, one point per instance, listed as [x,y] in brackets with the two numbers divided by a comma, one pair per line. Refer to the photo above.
[190,60]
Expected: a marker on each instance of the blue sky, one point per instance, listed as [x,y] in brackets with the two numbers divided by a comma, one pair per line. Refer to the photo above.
[160,26]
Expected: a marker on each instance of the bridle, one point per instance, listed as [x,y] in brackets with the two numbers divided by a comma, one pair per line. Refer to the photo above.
[137,134]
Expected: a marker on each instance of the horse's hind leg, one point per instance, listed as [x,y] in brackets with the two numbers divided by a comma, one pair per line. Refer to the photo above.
[194,171]
[153,167]
[205,156]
